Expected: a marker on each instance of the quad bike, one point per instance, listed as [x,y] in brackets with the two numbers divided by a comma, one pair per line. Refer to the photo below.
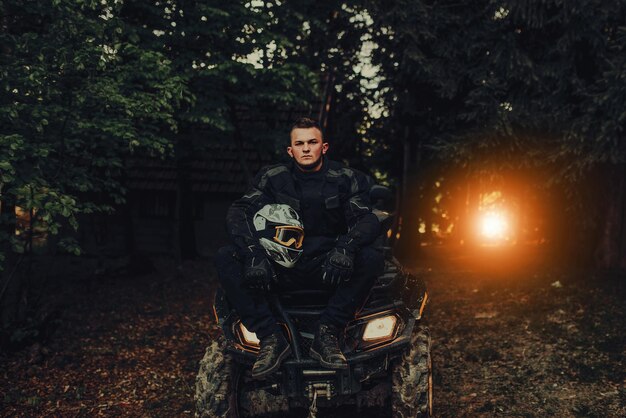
[387,348]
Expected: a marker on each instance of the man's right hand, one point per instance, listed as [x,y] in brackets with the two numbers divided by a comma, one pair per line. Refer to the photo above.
[258,272]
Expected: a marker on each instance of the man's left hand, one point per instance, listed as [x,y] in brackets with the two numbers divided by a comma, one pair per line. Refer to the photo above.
[338,266]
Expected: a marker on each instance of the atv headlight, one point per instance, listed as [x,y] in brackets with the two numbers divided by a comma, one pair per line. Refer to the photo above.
[248,337]
[380,329]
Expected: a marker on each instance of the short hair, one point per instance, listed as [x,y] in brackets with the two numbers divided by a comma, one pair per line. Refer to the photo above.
[305,123]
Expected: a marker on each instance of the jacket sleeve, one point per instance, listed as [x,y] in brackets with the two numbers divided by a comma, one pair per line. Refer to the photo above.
[239,218]
[363,225]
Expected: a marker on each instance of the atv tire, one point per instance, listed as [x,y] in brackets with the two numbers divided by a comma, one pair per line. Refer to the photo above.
[411,384]
[215,395]
[220,388]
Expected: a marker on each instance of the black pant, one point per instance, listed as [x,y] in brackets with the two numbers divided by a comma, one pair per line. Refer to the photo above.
[254,310]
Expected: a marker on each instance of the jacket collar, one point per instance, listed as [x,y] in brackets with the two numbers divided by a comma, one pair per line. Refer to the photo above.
[325,166]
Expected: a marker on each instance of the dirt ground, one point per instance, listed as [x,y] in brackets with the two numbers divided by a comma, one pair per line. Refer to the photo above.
[527,341]
[518,341]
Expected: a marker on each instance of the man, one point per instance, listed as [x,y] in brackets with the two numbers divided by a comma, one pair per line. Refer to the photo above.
[333,203]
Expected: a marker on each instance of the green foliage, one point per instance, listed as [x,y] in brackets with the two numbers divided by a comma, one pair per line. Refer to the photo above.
[77,98]
[485,84]
[238,59]
[87,84]
[506,84]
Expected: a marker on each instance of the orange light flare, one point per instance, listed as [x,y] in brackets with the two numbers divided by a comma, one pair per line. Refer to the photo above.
[494,226]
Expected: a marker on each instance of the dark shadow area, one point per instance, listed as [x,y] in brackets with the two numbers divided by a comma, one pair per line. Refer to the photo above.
[524,341]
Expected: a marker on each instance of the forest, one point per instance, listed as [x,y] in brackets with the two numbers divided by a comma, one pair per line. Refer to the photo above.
[128,127]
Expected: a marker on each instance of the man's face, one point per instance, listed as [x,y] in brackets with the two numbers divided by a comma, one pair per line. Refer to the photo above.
[307,148]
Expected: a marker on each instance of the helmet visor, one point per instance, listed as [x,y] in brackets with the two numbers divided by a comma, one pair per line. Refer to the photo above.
[289,236]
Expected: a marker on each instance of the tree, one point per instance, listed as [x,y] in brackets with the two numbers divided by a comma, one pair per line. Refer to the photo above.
[252,67]
[77,98]
[236,59]
[495,86]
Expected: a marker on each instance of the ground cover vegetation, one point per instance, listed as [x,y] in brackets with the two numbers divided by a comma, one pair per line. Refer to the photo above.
[535,341]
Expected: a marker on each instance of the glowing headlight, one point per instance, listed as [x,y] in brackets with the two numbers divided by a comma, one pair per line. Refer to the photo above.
[249,338]
[380,328]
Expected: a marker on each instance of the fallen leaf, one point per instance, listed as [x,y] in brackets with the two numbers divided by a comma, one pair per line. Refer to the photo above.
[486,315]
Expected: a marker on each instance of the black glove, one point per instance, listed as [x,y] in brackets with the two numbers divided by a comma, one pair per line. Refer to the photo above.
[338,266]
[258,272]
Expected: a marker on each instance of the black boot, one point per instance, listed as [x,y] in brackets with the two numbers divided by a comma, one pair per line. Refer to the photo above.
[274,349]
[325,348]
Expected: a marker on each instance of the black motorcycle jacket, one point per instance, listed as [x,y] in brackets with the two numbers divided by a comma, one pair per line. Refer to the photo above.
[333,203]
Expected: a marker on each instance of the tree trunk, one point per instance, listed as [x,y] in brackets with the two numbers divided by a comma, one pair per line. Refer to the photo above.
[184,213]
[409,241]
[10,289]
[129,225]
[610,254]
[178,255]
[467,217]
[326,103]
[243,157]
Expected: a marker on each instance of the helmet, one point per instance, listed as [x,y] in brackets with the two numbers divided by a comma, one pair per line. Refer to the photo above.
[280,233]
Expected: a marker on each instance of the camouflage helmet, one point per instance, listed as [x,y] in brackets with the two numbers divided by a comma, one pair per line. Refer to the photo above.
[280,233]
